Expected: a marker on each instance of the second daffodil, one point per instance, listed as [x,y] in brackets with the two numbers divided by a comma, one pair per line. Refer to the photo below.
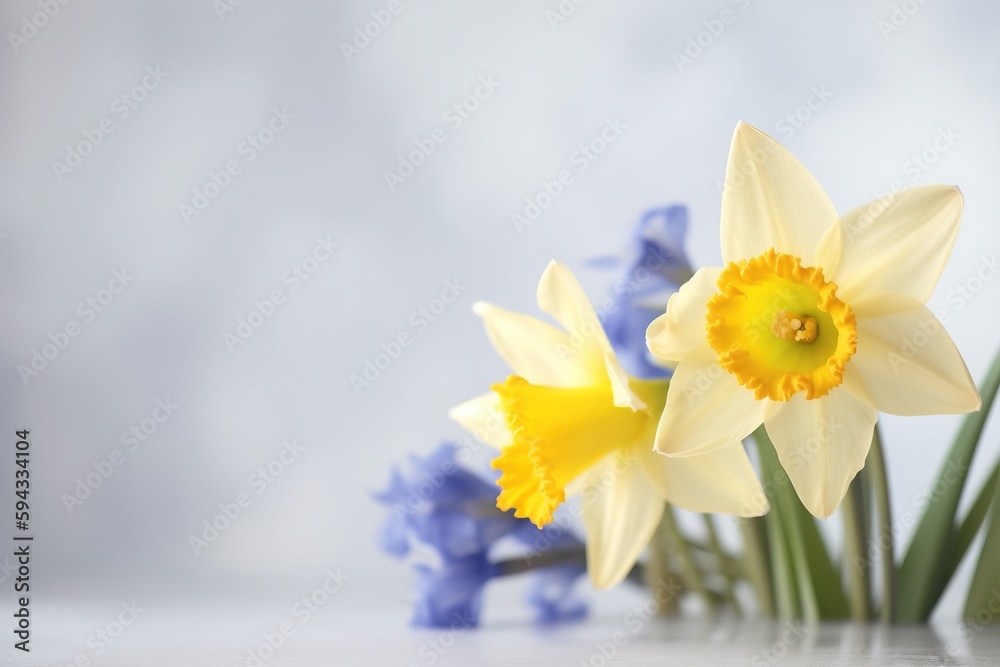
[814,323]
[571,419]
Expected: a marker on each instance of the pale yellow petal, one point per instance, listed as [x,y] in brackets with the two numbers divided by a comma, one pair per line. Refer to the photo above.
[898,243]
[560,295]
[719,482]
[623,395]
[620,513]
[822,444]
[770,199]
[535,350]
[909,363]
[675,333]
[483,417]
[706,408]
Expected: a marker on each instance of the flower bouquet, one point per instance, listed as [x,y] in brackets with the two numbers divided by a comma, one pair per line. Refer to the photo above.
[749,391]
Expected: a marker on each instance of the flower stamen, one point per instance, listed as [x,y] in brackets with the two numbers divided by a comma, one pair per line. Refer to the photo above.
[790,326]
[766,308]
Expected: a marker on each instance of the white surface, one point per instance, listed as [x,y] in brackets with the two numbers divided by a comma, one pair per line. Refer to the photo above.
[225,637]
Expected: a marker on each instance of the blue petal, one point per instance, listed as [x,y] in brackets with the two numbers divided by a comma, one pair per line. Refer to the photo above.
[392,538]
[450,596]
[551,594]
[655,267]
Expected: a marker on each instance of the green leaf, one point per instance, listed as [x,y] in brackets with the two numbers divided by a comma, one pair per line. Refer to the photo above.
[783,578]
[986,580]
[755,562]
[825,576]
[854,511]
[813,575]
[973,521]
[927,564]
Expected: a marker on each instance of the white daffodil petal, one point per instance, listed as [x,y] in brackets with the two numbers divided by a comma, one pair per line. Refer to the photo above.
[822,444]
[770,199]
[706,408]
[560,295]
[483,418]
[624,397]
[719,482]
[675,333]
[898,243]
[620,513]
[535,350]
[855,384]
[910,365]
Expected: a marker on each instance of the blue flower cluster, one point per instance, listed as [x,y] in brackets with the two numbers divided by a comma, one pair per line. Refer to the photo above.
[448,514]
[654,268]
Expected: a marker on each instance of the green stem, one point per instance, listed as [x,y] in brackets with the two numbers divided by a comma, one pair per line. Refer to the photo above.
[542,560]
[883,514]
[658,570]
[715,546]
[689,573]
[782,563]
[856,549]
[756,560]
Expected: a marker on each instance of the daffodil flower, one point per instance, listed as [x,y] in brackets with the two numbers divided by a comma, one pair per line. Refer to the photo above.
[571,419]
[814,324]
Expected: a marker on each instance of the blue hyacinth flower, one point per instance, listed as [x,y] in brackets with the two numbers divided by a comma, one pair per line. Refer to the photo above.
[654,267]
[446,516]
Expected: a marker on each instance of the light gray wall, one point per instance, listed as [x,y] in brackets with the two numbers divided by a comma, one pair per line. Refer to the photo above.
[890,94]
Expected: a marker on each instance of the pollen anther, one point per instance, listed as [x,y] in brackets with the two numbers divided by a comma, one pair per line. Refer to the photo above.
[765,306]
[789,326]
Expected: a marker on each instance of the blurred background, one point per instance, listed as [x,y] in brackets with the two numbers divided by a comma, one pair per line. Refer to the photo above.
[168,169]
